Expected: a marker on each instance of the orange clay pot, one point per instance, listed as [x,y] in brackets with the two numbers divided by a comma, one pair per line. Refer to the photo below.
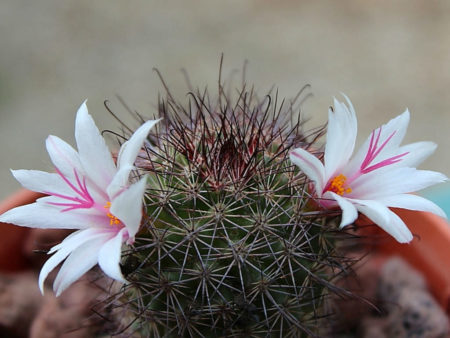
[428,252]
[12,237]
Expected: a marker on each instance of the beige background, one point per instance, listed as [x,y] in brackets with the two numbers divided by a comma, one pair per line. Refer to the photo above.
[385,55]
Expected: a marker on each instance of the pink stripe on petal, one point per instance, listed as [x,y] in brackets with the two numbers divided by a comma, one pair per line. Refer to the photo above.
[383,145]
[68,182]
[384,163]
[374,150]
[369,156]
[71,206]
[84,201]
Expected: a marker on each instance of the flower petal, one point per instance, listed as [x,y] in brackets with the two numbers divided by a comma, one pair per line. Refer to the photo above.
[394,130]
[120,182]
[311,166]
[39,215]
[127,156]
[341,136]
[127,206]
[64,157]
[130,149]
[385,219]
[349,212]
[81,260]
[399,228]
[63,249]
[399,126]
[94,154]
[394,181]
[412,202]
[417,153]
[42,181]
[109,257]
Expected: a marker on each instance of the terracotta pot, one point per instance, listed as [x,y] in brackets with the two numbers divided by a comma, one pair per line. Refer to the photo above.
[12,237]
[428,252]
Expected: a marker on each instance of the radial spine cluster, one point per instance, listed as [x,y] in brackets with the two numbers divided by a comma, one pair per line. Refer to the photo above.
[230,245]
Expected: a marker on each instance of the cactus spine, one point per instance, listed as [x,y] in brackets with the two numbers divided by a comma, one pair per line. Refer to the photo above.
[230,245]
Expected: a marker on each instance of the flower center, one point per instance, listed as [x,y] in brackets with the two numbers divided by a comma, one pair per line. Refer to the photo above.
[337,185]
[113,220]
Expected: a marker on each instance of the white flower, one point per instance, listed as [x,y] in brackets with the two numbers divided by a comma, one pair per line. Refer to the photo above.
[380,175]
[90,193]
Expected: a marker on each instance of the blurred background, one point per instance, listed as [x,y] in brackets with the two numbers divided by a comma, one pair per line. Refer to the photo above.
[384,55]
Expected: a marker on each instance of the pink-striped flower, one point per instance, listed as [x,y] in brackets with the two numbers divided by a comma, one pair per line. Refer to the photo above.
[88,192]
[380,175]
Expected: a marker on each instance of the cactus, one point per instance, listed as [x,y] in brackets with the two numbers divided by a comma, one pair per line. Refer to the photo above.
[230,245]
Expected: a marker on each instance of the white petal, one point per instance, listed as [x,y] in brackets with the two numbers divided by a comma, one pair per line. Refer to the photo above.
[385,219]
[36,215]
[349,212]
[130,149]
[399,125]
[90,217]
[399,180]
[81,260]
[396,127]
[311,166]
[63,249]
[341,136]
[42,181]
[94,154]
[79,237]
[54,184]
[417,153]
[127,206]
[127,156]
[412,202]
[109,257]
[120,182]
[366,185]
[64,157]
[399,228]
[67,161]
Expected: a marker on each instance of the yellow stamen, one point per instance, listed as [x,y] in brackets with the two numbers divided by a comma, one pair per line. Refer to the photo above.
[113,220]
[337,185]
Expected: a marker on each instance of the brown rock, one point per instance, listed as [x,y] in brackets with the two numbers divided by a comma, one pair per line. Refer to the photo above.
[20,300]
[396,276]
[67,315]
[410,309]
[373,327]
[417,314]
